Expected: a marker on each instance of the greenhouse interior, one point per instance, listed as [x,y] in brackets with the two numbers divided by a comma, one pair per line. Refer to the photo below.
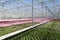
[29,19]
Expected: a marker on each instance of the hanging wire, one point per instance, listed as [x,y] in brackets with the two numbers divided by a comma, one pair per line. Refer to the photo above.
[49,10]
[42,9]
[46,12]
[18,9]
[2,11]
[32,12]
[30,6]
[55,9]
[56,16]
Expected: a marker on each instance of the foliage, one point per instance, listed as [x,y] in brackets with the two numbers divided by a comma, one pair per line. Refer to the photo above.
[48,31]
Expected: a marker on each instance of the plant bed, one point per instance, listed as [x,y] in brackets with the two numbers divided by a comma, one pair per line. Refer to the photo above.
[6,30]
[48,31]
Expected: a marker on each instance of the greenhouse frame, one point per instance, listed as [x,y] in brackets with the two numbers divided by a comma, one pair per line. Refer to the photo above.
[29,19]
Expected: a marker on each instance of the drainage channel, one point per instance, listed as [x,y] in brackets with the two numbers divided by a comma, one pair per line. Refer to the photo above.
[20,31]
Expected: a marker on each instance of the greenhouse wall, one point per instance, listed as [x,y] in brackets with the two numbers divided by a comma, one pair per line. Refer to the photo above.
[20,14]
